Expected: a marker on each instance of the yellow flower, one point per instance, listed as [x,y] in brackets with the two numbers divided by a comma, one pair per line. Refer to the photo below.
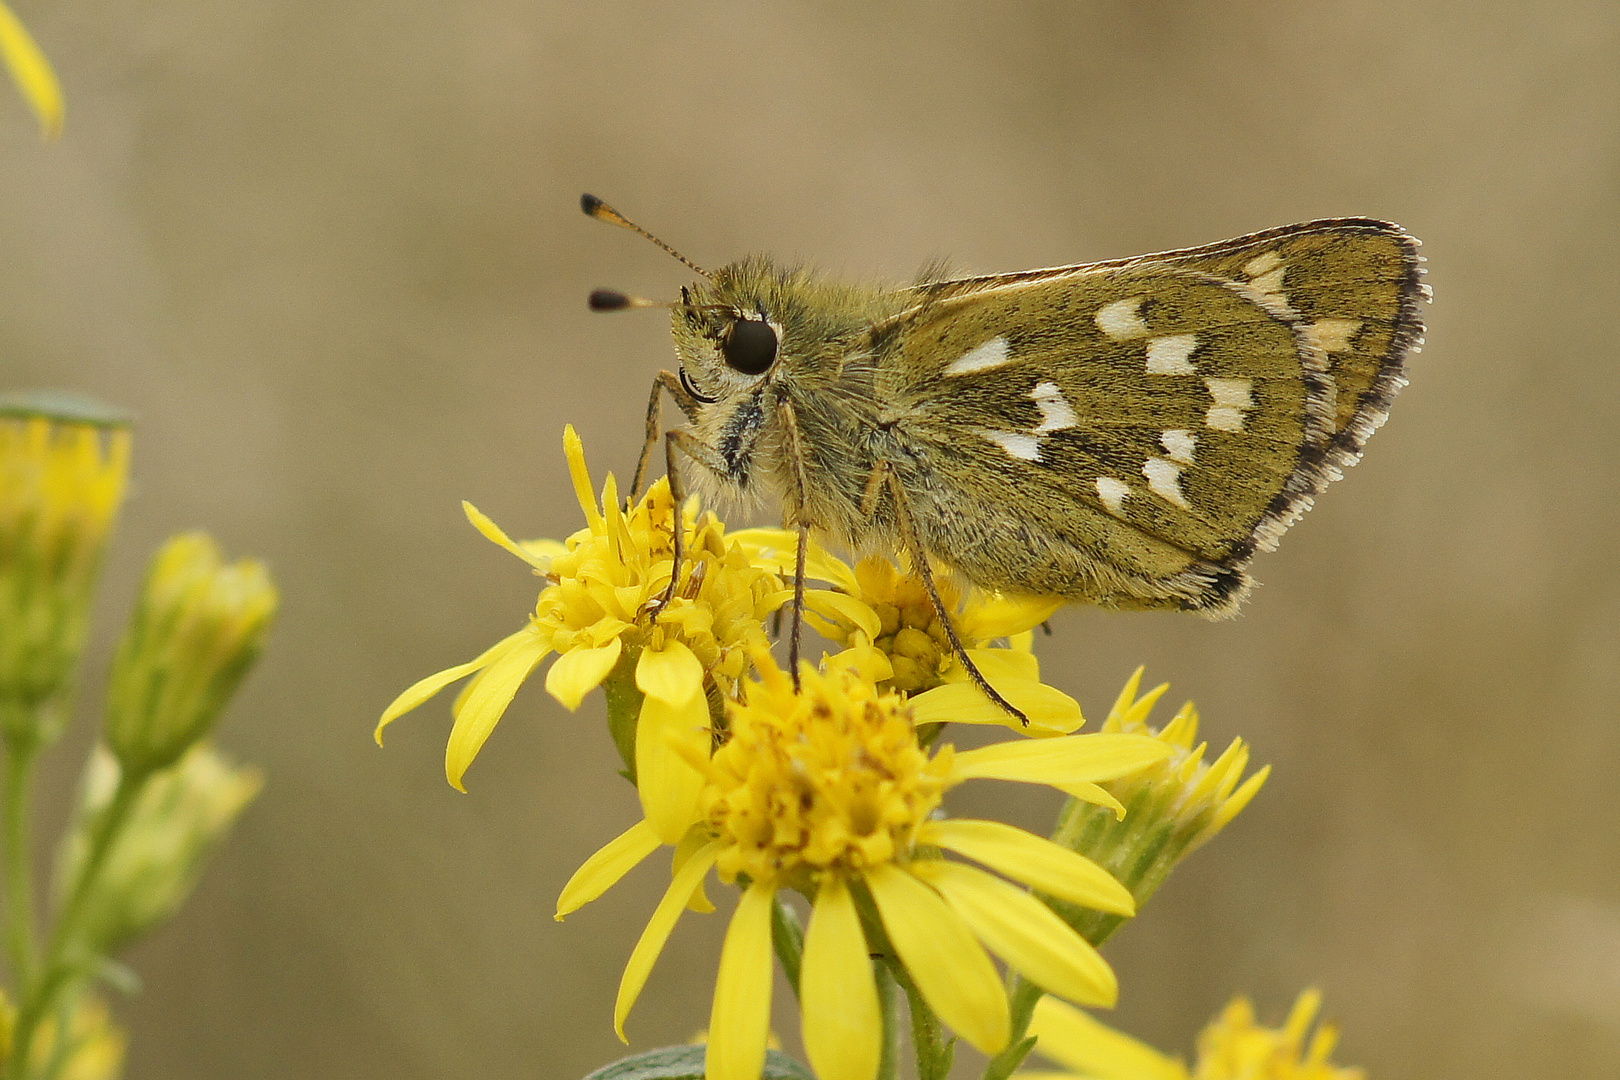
[31,71]
[828,792]
[1233,1047]
[198,627]
[63,466]
[888,620]
[176,822]
[94,1046]
[1175,806]
[595,614]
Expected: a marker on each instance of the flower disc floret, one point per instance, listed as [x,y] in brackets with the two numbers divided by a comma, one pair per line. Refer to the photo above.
[829,779]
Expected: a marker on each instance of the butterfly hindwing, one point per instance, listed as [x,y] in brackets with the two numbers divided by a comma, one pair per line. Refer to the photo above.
[1168,415]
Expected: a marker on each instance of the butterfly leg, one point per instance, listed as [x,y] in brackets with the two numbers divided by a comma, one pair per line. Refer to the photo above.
[688,444]
[908,533]
[801,485]
[666,380]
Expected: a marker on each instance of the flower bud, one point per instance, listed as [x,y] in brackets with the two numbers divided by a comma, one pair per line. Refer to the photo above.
[198,628]
[1171,808]
[179,817]
[63,464]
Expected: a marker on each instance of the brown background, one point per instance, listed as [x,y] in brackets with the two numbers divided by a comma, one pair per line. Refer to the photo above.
[330,254]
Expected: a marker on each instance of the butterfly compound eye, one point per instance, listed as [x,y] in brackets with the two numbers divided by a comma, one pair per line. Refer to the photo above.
[749,346]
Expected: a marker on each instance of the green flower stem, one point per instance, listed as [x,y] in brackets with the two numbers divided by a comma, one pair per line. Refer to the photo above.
[1021,998]
[60,967]
[889,1005]
[934,1049]
[21,948]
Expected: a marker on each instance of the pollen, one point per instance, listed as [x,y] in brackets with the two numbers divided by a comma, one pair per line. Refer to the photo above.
[830,780]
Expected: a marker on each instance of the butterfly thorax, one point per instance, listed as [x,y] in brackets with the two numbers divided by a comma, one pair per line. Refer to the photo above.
[822,391]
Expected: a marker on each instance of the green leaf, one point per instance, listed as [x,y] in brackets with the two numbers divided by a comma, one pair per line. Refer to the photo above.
[686,1063]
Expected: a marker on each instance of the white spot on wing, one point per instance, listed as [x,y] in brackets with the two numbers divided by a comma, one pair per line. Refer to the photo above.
[1270,283]
[1122,319]
[1179,444]
[991,354]
[1056,415]
[1112,493]
[1164,480]
[1232,399]
[1021,446]
[1260,264]
[1170,355]
[1332,335]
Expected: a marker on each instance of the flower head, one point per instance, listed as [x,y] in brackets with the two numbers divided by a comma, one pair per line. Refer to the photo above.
[63,466]
[1233,1047]
[178,819]
[827,792]
[1176,806]
[596,613]
[887,622]
[198,628]
[91,1049]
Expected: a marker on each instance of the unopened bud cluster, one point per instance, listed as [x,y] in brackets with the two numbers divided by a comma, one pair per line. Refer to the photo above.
[174,824]
[197,629]
[1171,808]
[63,465]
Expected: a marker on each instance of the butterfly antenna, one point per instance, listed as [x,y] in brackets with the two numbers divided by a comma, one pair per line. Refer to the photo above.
[601,211]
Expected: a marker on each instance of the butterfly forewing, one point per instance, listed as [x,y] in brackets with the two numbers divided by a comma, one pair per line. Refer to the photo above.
[1160,400]
[1353,285]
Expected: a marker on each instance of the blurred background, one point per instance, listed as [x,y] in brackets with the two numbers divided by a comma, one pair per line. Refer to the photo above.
[331,256]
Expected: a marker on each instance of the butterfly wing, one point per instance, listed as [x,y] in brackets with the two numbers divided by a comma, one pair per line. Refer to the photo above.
[1134,431]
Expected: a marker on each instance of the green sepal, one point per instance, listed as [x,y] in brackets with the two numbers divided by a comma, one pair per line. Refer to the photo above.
[686,1063]
[624,708]
[62,406]
[1005,1063]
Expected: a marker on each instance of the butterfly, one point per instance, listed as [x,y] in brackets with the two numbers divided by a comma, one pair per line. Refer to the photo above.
[1127,433]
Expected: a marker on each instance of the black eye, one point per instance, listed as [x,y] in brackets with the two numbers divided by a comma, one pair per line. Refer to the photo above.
[749,346]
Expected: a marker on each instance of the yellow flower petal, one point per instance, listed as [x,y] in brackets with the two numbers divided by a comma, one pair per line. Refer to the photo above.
[672,674]
[944,958]
[1005,616]
[668,740]
[483,708]
[1024,932]
[1036,861]
[574,451]
[837,607]
[579,671]
[651,943]
[777,549]
[741,1019]
[495,534]
[1087,1045]
[32,72]
[1049,709]
[422,689]
[842,1023]
[597,874]
[690,845]
[1071,759]
[998,664]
